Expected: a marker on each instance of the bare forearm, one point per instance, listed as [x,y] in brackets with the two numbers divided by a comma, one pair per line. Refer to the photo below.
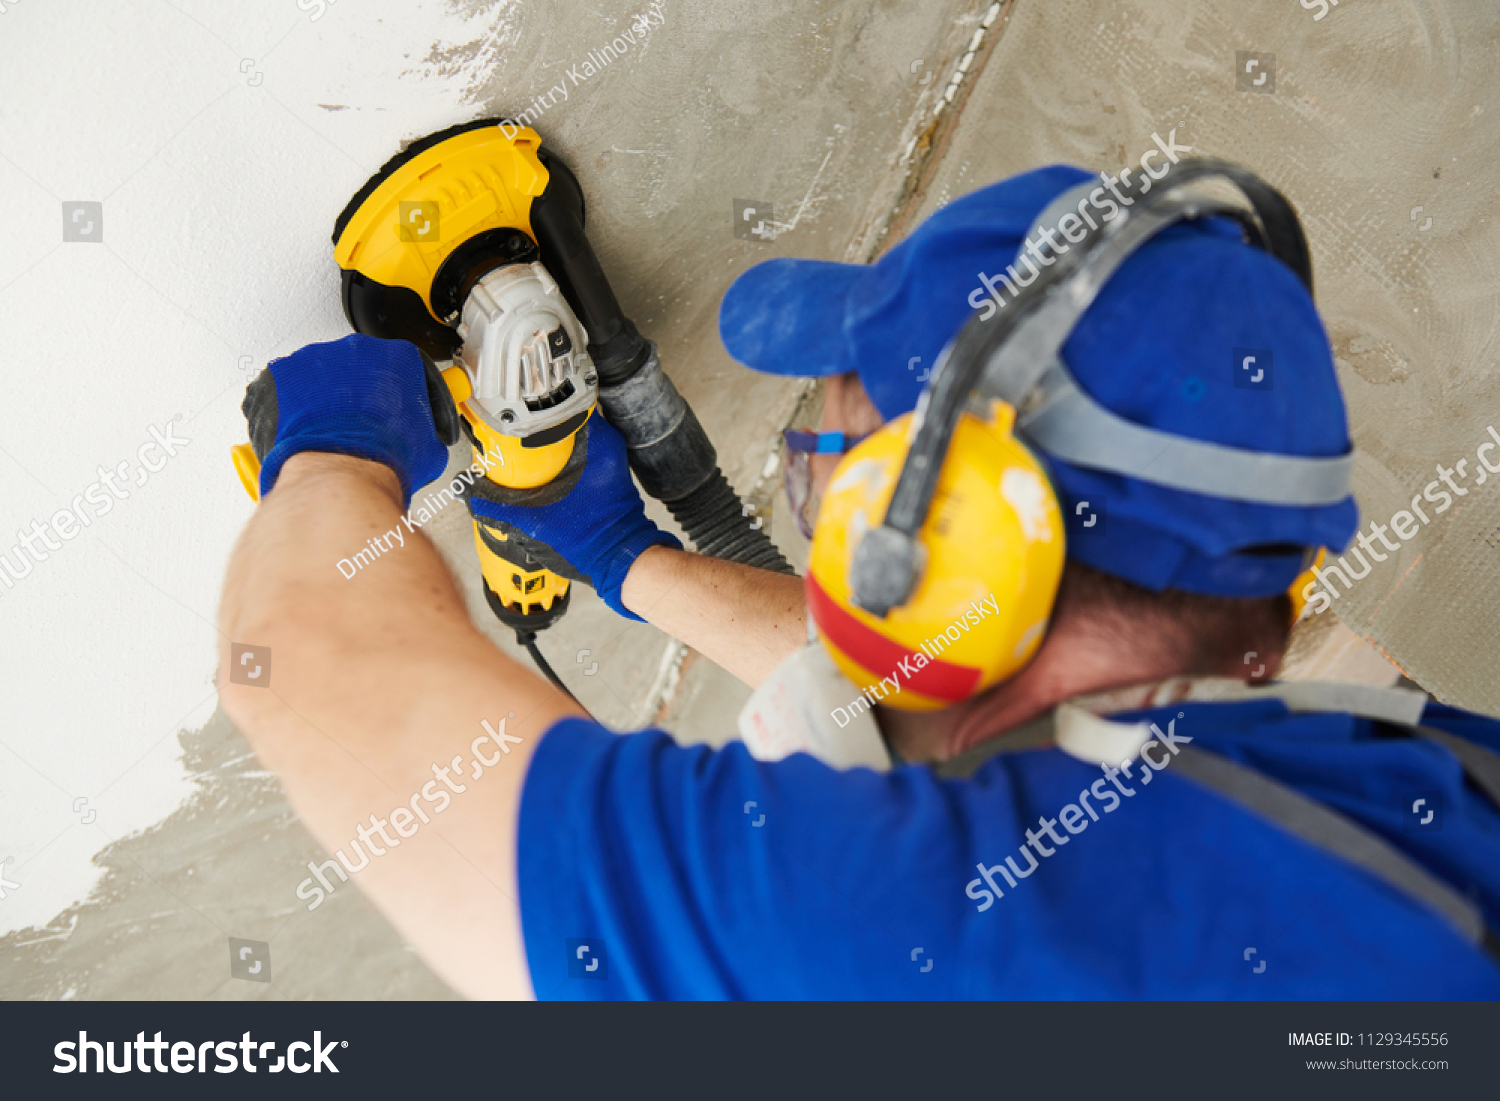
[745,619]
[374,680]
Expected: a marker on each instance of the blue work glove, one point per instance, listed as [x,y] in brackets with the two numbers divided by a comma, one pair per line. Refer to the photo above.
[600,528]
[383,400]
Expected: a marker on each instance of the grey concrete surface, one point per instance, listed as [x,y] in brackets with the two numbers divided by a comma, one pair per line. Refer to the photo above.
[812,108]
[226,864]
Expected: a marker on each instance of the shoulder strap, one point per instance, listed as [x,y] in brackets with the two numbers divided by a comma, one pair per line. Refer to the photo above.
[1300,816]
[1481,765]
[1317,825]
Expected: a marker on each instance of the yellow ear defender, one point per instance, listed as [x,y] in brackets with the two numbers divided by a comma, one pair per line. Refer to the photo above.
[993,547]
[939,545]
[1304,579]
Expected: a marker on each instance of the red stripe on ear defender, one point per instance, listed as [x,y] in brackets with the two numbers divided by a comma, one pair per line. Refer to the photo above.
[939,680]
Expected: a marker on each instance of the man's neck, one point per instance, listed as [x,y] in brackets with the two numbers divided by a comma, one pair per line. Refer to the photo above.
[1065,668]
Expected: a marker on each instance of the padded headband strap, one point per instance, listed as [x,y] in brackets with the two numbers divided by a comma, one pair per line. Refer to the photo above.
[1070,426]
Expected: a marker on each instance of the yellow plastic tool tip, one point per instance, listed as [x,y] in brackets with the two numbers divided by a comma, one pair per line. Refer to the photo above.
[247,466]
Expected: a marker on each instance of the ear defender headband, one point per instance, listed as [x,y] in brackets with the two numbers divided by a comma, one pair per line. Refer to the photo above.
[952,589]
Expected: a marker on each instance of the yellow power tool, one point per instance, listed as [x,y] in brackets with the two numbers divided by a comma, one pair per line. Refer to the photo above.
[438,249]
[470,244]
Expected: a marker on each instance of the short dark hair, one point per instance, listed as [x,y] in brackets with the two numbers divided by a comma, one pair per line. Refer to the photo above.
[1201,635]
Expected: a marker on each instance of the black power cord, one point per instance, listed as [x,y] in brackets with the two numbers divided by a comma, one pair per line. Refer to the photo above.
[528,640]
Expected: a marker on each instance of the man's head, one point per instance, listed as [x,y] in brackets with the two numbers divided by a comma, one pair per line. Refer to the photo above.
[1163,347]
[1105,632]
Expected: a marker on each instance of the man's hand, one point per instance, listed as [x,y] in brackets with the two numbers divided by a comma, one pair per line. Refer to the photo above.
[381,400]
[600,528]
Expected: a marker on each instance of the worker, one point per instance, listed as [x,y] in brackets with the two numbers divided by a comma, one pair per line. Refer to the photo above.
[1132,808]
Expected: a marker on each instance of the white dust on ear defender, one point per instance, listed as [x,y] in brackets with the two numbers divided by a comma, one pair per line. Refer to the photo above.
[858,525]
[1025,493]
[866,472]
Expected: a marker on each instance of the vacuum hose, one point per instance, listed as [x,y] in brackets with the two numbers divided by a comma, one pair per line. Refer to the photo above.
[672,456]
[668,448]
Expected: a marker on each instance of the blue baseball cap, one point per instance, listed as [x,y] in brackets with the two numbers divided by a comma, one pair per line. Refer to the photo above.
[1160,346]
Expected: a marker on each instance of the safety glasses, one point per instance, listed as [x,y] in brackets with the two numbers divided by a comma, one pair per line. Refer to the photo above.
[796,446]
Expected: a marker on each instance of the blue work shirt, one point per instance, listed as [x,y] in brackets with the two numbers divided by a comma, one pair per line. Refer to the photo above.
[653,870]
